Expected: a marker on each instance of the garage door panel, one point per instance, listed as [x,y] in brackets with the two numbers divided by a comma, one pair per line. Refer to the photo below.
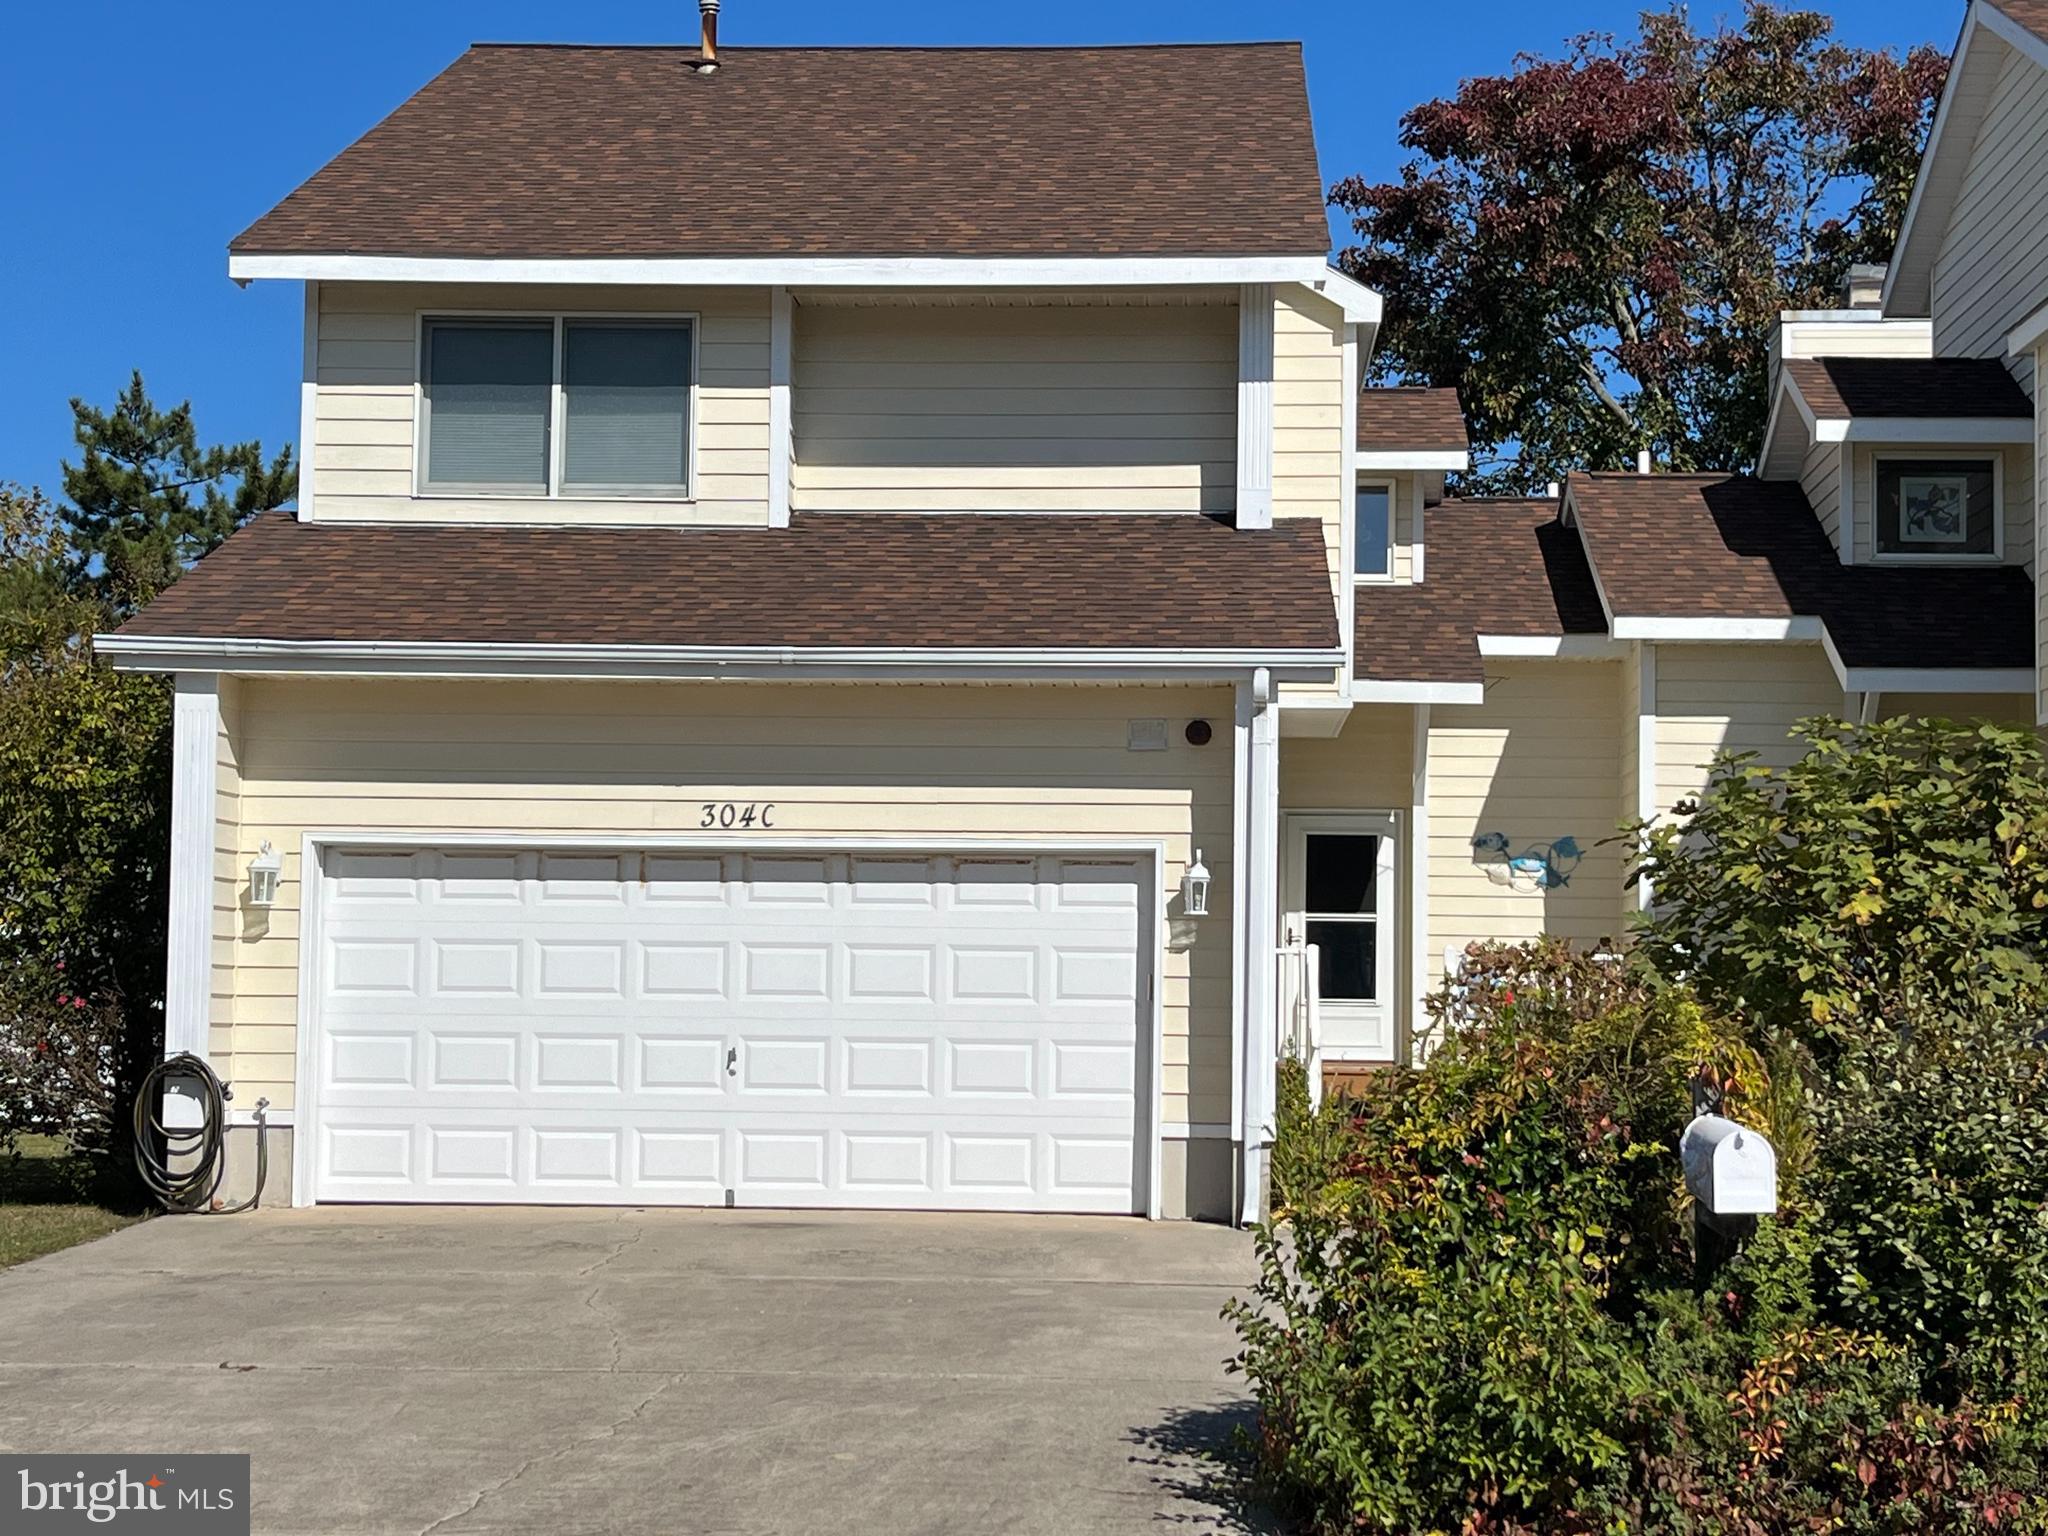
[847,1029]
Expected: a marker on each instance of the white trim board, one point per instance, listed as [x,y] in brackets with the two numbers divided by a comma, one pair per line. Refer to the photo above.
[2029,332]
[1926,679]
[195,773]
[377,658]
[1713,629]
[1358,302]
[1446,460]
[309,403]
[1365,690]
[1255,326]
[314,844]
[1908,248]
[1964,430]
[1584,647]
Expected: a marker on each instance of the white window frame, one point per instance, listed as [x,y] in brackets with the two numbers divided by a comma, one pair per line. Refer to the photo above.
[1881,556]
[560,319]
[1392,487]
[1381,1016]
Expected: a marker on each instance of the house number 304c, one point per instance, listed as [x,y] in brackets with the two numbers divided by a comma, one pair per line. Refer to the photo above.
[730,813]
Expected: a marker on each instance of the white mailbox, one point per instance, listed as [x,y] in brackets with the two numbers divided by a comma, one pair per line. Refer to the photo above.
[1730,1169]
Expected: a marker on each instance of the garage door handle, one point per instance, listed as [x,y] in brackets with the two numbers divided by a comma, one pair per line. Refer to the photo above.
[732,1061]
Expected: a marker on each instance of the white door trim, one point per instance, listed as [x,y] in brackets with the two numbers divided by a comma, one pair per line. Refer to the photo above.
[314,845]
[1390,827]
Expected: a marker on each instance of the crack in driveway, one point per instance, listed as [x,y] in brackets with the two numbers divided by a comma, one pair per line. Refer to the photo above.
[604,1432]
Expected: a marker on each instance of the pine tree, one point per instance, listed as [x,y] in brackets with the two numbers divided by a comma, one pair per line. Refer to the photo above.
[146,500]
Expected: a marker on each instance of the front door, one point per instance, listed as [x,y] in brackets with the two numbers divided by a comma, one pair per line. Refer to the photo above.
[1341,899]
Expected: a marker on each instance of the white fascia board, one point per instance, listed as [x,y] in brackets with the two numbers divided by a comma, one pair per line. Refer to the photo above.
[1787,390]
[1559,647]
[819,271]
[1833,317]
[1938,679]
[2011,33]
[1880,680]
[1971,430]
[1909,226]
[2030,332]
[1440,460]
[1366,690]
[153,653]
[1361,305]
[1711,630]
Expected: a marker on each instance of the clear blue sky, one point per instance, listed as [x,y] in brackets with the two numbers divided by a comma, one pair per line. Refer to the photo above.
[138,138]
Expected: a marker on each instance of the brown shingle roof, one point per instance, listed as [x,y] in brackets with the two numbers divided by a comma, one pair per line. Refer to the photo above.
[1406,416]
[894,580]
[591,152]
[1721,546]
[1493,567]
[1837,387]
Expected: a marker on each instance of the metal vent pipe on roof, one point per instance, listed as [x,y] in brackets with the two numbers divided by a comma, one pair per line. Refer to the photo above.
[708,10]
[1642,461]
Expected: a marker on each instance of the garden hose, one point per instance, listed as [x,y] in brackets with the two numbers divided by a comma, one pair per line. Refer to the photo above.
[203,1148]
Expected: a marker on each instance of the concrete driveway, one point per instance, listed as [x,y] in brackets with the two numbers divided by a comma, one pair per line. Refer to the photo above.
[464,1371]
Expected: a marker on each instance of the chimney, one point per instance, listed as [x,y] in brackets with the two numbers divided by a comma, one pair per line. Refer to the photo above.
[1642,461]
[1551,491]
[708,10]
[1863,286]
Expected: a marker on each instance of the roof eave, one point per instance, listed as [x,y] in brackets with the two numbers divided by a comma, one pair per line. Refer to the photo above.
[1908,282]
[246,655]
[1359,303]
[1967,430]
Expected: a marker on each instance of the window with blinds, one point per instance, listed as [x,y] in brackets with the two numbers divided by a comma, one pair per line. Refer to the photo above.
[562,406]
[489,389]
[625,406]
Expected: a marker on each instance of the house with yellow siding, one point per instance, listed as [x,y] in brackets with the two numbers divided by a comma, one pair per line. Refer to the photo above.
[886,659]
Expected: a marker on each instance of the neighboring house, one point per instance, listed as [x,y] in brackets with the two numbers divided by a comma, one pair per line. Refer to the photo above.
[803,566]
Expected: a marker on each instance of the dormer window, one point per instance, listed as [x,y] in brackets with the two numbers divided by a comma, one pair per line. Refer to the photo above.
[1938,507]
[555,406]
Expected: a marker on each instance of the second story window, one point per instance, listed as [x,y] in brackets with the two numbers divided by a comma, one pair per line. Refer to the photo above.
[487,394]
[561,406]
[1373,531]
[1937,508]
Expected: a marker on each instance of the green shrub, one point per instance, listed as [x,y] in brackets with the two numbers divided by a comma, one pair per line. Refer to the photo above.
[1489,1319]
[1315,1147]
[1448,1335]
[85,756]
[1897,872]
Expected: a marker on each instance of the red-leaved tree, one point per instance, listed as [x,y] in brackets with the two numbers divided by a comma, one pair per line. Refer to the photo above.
[1593,248]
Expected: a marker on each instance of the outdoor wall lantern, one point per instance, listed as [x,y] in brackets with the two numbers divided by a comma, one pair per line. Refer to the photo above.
[263,872]
[1194,888]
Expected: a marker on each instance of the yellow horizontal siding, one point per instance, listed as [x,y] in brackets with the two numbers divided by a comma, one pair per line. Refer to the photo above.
[993,409]
[1737,698]
[1539,760]
[1310,416]
[628,760]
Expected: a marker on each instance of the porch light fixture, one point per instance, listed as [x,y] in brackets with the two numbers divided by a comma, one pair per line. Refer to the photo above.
[1194,888]
[263,872]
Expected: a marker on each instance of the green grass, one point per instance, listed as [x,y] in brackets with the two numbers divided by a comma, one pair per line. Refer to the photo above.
[52,1197]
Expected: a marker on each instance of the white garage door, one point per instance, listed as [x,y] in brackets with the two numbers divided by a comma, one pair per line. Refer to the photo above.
[699,1029]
